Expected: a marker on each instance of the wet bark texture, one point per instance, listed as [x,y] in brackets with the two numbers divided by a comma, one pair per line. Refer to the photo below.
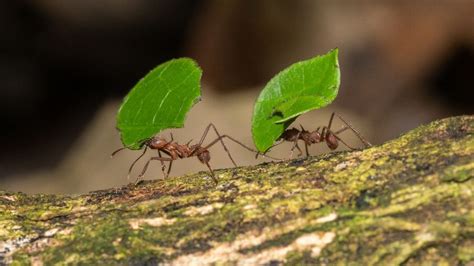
[409,201]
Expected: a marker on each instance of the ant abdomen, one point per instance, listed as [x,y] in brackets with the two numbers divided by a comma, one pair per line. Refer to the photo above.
[204,157]
[331,141]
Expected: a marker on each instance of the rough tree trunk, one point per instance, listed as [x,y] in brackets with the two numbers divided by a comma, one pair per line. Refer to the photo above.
[409,200]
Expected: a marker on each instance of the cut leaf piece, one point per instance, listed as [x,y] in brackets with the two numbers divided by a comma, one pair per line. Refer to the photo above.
[159,101]
[302,87]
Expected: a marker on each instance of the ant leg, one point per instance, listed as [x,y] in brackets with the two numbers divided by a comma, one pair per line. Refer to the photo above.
[169,168]
[264,154]
[339,139]
[136,160]
[341,130]
[299,150]
[219,139]
[366,143]
[330,121]
[296,143]
[292,150]
[171,135]
[296,146]
[163,159]
[240,143]
[250,149]
[305,144]
[327,129]
[163,167]
[117,151]
[212,173]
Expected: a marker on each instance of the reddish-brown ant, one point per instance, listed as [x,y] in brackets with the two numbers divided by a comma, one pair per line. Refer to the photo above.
[326,135]
[179,151]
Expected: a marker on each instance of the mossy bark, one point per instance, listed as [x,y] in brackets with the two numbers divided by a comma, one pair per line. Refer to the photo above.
[410,200]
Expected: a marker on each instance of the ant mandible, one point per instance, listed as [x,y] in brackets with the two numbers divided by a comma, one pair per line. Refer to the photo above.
[326,135]
[179,151]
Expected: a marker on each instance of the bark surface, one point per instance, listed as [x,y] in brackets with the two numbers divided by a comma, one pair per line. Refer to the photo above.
[410,200]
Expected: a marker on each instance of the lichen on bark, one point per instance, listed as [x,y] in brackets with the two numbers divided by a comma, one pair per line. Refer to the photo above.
[409,200]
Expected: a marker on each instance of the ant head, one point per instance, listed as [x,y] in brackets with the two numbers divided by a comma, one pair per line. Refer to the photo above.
[293,131]
[290,134]
[157,142]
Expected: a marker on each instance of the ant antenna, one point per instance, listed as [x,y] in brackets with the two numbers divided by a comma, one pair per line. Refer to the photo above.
[117,151]
[134,162]
[264,154]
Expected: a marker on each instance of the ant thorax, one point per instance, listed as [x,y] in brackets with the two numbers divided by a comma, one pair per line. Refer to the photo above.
[314,137]
[309,137]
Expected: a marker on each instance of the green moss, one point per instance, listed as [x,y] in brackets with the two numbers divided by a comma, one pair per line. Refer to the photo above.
[406,201]
[459,173]
[465,251]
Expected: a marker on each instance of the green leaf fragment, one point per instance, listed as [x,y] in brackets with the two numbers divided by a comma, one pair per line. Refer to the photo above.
[159,101]
[302,87]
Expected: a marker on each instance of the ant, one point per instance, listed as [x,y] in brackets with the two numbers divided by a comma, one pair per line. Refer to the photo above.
[177,151]
[326,135]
